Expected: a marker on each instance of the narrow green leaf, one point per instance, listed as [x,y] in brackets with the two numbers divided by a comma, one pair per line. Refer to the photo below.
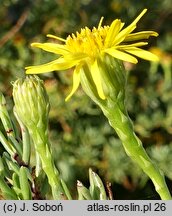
[5,118]
[17,145]
[16,185]
[16,182]
[7,171]
[7,145]
[26,141]
[24,184]
[1,167]
[83,192]
[66,190]
[7,192]
[11,164]
[97,189]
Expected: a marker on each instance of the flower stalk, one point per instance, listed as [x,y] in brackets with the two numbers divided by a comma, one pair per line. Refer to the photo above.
[32,108]
[122,124]
[43,150]
[114,108]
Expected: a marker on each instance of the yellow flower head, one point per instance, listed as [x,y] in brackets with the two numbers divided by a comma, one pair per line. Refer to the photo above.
[88,46]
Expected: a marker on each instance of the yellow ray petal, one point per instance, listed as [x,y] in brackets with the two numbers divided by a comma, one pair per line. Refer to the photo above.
[59,64]
[95,73]
[52,47]
[114,29]
[76,81]
[121,36]
[140,35]
[121,55]
[78,56]
[123,47]
[100,22]
[55,37]
[142,54]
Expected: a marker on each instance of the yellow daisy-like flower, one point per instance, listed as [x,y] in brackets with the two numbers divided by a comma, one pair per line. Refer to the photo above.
[88,46]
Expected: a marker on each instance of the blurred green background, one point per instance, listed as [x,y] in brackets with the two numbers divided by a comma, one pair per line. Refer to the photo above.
[80,135]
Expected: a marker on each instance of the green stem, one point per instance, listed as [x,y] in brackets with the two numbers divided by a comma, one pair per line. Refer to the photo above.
[43,150]
[120,121]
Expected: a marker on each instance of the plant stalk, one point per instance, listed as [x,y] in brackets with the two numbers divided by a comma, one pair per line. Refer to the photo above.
[43,150]
[120,121]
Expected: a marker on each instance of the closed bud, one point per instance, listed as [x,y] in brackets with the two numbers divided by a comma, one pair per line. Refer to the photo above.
[31,102]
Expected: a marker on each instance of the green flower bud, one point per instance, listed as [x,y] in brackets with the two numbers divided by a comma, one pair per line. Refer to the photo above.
[31,102]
